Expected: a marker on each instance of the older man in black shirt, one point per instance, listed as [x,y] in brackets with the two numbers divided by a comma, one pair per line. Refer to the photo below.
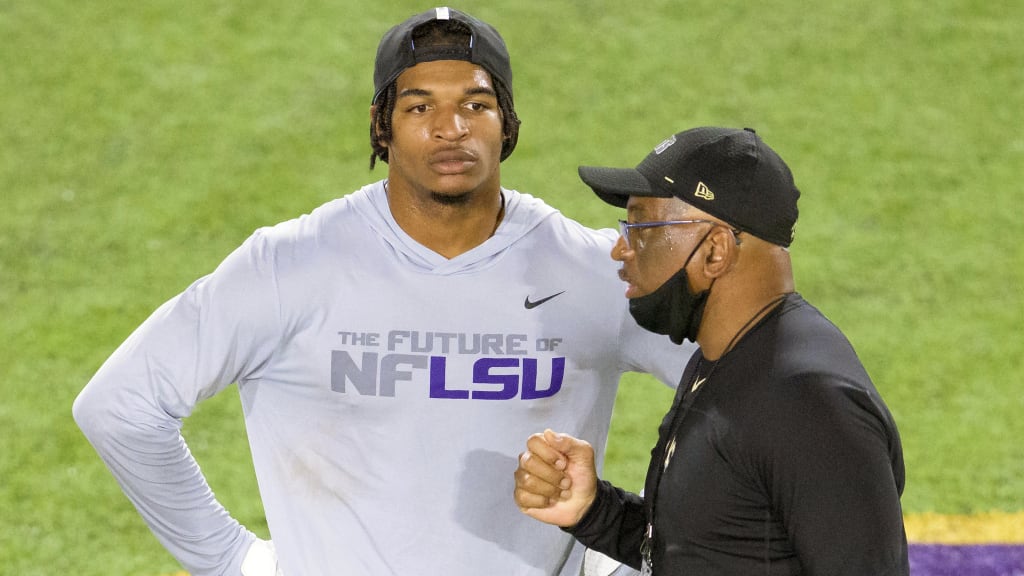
[778,455]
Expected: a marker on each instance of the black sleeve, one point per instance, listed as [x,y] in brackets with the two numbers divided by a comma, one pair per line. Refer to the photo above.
[614,524]
[836,479]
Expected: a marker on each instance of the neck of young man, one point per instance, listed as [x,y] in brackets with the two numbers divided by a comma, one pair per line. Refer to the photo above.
[449,224]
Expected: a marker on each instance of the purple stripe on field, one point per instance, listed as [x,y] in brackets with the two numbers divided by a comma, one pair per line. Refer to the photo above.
[966,560]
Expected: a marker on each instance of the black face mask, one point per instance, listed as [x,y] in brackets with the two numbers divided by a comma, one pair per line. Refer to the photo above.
[672,309]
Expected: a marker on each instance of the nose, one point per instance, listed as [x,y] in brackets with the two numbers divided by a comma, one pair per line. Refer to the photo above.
[620,250]
[450,125]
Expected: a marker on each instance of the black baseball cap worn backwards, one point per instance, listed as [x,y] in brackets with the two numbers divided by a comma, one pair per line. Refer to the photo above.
[397,50]
[727,172]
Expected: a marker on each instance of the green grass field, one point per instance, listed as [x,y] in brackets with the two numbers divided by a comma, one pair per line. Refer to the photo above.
[141,142]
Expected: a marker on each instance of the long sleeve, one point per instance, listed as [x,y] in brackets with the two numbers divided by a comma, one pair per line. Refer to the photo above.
[839,436]
[614,524]
[216,332]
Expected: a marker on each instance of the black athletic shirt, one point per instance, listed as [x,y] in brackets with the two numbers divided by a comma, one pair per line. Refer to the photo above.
[784,461]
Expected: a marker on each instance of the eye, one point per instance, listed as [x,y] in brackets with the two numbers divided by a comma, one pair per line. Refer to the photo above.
[418,109]
[477,106]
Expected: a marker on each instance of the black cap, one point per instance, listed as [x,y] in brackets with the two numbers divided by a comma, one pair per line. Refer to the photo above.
[397,51]
[727,172]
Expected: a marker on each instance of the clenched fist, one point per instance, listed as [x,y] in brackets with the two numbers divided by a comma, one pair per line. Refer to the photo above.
[556,481]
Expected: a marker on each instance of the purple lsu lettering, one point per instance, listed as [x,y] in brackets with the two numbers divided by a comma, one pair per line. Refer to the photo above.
[493,378]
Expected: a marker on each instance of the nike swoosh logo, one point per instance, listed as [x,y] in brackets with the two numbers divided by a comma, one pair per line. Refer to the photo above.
[698,384]
[529,305]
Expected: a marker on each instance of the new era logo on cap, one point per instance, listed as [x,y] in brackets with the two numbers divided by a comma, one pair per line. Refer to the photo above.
[728,172]
[704,192]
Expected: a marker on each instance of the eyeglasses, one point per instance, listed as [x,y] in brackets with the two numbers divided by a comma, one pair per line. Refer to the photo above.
[625,227]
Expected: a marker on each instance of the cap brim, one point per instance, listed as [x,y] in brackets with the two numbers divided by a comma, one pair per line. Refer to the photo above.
[616,185]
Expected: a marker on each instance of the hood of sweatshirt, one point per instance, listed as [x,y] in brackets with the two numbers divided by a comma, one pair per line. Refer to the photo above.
[523,213]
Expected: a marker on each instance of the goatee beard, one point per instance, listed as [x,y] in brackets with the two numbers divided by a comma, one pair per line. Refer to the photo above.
[450,199]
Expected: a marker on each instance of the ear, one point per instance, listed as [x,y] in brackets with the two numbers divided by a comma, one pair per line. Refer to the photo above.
[721,252]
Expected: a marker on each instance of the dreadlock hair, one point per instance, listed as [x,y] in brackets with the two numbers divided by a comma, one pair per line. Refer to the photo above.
[438,33]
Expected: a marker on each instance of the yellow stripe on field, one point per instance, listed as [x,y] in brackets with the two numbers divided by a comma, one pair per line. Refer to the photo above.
[984,528]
